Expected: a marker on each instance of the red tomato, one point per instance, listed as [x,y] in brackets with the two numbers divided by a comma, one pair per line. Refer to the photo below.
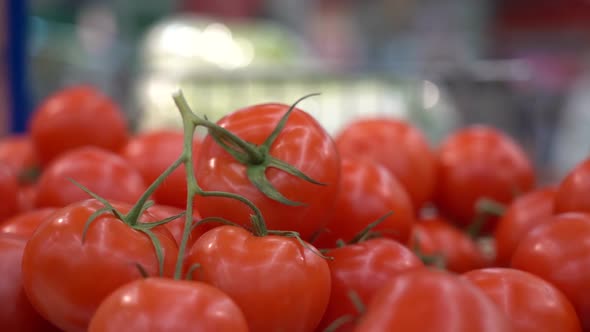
[435,236]
[176,226]
[25,224]
[75,117]
[533,304]
[16,312]
[573,193]
[363,268]
[399,146]
[523,215]
[9,205]
[428,300]
[158,304]
[152,153]
[368,192]
[17,152]
[104,173]
[479,162]
[279,284]
[66,279]
[302,143]
[27,194]
[559,252]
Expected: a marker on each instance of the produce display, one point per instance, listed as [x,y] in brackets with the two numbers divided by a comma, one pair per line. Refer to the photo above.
[270,222]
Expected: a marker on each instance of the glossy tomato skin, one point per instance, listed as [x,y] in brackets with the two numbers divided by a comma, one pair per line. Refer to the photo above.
[152,153]
[27,194]
[17,152]
[104,173]
[559,252]
[176,226]
[16,312]
[25,224]
[159,305]
[429,300]
[573,193]
[479,162]
[8,192]
[363,268]
[435,236]
[302,143]
[74,117]
[278,284]
[66,279]
[368,192]
[524,214]
[399,146]
[532,304]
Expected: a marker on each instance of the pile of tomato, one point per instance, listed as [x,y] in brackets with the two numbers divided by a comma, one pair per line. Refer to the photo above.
[268,223]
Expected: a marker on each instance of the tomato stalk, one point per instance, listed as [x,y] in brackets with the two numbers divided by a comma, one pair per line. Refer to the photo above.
[485,208]
[359,306]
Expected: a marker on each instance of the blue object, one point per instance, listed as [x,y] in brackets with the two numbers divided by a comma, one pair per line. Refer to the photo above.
[17,65]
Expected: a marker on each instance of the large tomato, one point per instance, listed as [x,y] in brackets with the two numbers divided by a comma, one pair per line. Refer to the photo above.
[363,268]
[74,117]
[66,279]
[16,312]
[17,152]
[152,153]
[533,304]
[573,193]
[479,162]
[158,304]
[279,284]
[523,215]
[302,143]
[428,300]
[559,252]
[26,223]
[399,146]
[104,173]
[9,204]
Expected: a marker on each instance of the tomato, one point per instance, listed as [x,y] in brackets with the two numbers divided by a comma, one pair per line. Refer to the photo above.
[158,304]
[74,117]
[479,162]
[25,224]
[102,172]
[27,194]
[399,146]
[435,236]
[533,304]
[9,205]
[363,268]
[152,153]
[523,215]
[367,192]
[176,226]
[279,284]
[16,312]
[302,143]
[431,300]
[559,252]
[66,279]
[17,152]
[573,193]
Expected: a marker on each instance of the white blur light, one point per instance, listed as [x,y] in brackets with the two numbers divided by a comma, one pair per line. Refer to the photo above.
[430,94]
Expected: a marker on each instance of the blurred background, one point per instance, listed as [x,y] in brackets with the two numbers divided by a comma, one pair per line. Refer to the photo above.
[520,65]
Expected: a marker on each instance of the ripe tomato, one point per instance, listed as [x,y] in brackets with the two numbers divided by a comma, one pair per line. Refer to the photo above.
[367,192]
[158,304]
[27,194]
[17,152]
[523,215]
[363,268]
[9,205]
[533,304]
[16,312]
[399,146]
[435,236]
[279,284]
[152,153]
[431,300]
[66,279]
[25,224]
[176,226]
[479,162]
[74,117]
[302,143]
[573,193]
[104,173]
[559,252]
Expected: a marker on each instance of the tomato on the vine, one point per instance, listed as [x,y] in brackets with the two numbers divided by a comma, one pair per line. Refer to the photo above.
[176,226]
[25,224]
[573,193]
[9,188]
[17,152]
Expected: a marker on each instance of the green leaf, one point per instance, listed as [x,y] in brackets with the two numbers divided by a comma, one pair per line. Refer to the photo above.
[283,166]
[157,246]
[98,198]
[91,219]
[257,175]
[150,225]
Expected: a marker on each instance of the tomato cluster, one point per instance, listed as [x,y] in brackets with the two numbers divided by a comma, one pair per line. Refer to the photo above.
[268,223]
